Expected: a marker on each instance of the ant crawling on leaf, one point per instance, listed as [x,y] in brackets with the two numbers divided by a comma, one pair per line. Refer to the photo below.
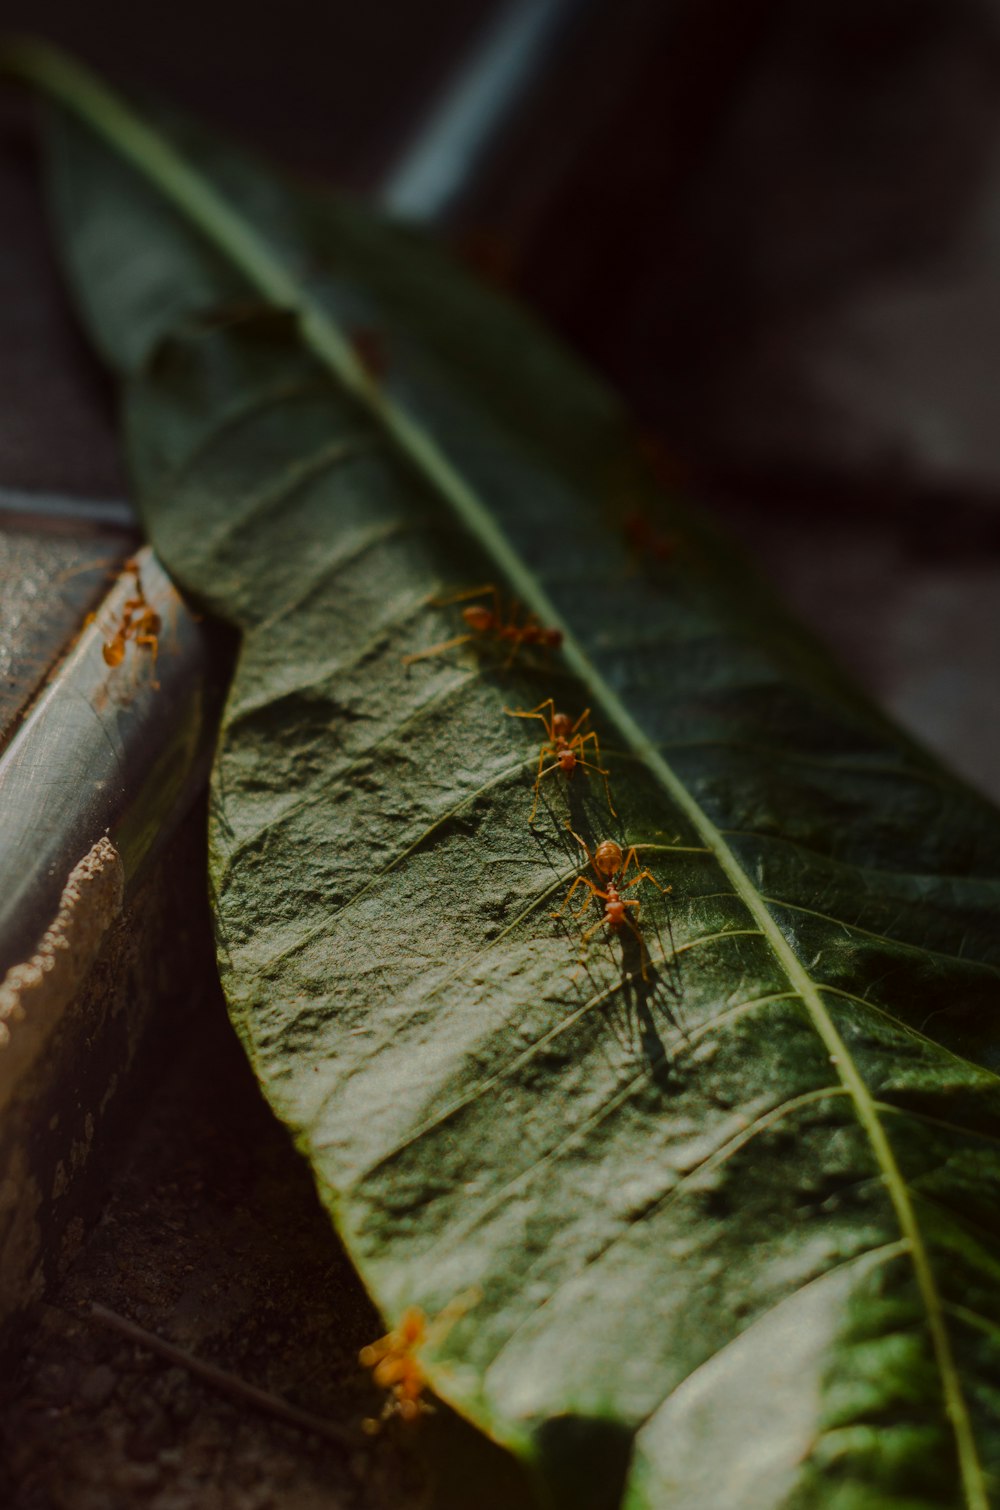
[139,622]
[607,863]
[486,622]
[395,1366]
[566,743]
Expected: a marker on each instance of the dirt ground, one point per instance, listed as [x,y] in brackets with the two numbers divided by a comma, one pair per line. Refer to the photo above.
[213,1238]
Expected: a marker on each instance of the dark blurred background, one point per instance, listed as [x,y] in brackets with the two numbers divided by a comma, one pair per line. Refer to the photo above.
[775,225]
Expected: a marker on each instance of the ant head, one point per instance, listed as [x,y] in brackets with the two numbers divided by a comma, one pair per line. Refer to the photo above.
[478,617]
[567,760]
[608,857]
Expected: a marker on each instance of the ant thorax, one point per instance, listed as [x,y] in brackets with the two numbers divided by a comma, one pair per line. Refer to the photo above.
[614,907]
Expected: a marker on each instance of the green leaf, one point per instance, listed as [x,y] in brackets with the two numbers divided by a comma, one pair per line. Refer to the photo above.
[735,1227]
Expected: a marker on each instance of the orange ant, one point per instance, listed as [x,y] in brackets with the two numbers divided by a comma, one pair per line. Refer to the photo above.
[566,744]
[491,621]
[139,622]
[395,1366]
[608,863]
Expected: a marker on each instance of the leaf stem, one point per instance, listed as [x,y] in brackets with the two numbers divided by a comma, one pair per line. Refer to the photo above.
[74,86]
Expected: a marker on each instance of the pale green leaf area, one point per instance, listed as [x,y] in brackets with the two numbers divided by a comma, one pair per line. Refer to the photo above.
[735,1227]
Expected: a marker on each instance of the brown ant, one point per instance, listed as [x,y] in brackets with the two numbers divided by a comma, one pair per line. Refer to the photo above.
[608,863]
[395,1366]
[139,622]
[566,744]
[491,621]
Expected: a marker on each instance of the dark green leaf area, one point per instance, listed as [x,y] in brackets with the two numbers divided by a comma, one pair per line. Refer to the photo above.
[743,1209]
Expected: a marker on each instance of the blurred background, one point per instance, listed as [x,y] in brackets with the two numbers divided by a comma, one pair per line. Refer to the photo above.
[774,225]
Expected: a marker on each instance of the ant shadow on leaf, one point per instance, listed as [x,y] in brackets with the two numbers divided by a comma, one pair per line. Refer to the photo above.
[650,984]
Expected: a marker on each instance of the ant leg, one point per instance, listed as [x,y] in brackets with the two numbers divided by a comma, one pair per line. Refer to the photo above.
[538,781]
[585,849]
[595,892]
[586,937]
[520,713]
[631,858]
[584,941]
[107,563]
[464,595]
[151,642]
[647,875]
[518,641]
[601,772]
[584,715]
[546,723]
[580,881]
[422,655]
[643,951]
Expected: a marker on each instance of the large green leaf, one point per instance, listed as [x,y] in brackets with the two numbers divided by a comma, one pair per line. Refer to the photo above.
[735,1228]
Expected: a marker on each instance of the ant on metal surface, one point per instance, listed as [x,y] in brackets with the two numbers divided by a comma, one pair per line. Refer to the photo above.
[139,622]
[395,1366]
[485,622]
[566,744]
[607,862]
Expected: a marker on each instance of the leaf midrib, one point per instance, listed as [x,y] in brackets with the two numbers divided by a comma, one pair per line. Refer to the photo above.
[236,238]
